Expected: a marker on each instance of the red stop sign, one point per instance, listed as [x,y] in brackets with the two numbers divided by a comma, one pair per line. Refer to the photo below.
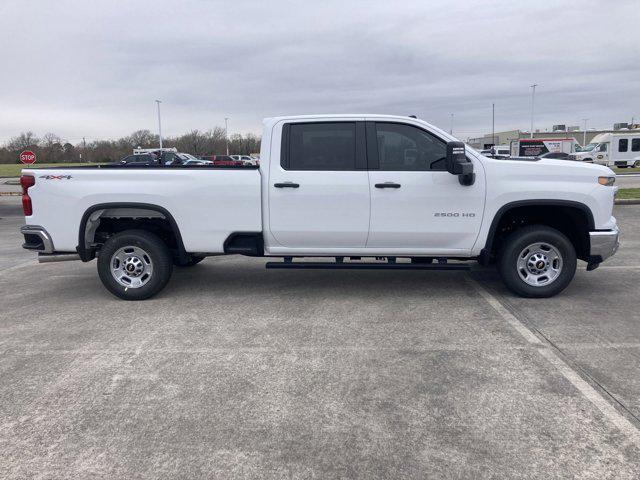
[28,157]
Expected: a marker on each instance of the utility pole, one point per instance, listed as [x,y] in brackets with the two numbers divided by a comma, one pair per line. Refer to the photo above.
[493,124]
[451,129]
[226,133]
[159,124]
[584,133]
[533,99]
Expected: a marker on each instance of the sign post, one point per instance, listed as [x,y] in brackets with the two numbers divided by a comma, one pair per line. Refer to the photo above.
[28,157]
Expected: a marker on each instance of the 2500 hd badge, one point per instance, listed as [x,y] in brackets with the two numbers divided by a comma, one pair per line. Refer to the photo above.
[454,214]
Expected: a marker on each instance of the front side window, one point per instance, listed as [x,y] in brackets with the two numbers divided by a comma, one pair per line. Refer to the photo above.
[635,145]
[623,145]
[603,147]
[407,148]
[322,146]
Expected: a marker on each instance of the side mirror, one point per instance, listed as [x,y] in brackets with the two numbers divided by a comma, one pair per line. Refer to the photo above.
[458,163]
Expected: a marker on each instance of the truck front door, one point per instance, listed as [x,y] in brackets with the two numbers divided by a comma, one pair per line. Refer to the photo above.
[318,186]
[415,203]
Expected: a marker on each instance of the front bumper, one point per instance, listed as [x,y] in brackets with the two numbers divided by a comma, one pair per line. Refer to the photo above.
[36,238]
[604,244]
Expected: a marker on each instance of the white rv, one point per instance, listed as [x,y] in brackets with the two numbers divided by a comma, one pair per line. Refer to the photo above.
[618,149]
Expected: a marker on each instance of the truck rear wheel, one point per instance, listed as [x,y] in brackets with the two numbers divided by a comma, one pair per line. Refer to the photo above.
[134,264]
[537,262]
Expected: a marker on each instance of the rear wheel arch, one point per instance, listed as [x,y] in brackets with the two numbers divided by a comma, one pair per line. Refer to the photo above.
[573,219]
[140,212]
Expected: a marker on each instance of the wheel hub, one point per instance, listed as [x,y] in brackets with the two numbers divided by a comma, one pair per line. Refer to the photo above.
[131,267]
[539,264]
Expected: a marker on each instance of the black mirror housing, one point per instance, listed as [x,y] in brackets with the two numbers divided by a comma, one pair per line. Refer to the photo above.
[458,163]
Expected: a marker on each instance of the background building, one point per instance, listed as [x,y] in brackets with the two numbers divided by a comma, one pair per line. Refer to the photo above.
[559,131]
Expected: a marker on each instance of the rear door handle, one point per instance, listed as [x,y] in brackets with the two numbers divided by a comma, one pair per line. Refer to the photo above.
[388,185]
[286,185]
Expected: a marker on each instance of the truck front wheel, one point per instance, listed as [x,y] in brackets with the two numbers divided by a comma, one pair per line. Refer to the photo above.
[537,261]
[134,264]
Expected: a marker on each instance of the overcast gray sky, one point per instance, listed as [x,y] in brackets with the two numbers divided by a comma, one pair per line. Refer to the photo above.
[94,68]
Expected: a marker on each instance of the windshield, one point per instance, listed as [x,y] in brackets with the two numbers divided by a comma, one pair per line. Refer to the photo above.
[188,156]
[588,148]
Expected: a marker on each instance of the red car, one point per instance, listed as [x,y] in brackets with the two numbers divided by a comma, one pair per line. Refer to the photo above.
[223,160]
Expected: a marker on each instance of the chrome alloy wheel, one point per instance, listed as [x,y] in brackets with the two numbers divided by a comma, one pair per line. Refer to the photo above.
[539,264]
[131,267]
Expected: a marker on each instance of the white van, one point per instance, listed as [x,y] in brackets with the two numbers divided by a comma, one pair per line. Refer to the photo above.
[497,151]
[619,149]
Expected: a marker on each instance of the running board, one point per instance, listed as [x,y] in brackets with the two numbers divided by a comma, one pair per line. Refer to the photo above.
[367,266]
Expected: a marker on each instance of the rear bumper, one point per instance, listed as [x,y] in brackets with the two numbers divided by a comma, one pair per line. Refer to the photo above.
[604,244]
[36,238]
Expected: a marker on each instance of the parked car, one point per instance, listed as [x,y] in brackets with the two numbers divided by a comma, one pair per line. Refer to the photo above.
[245,159]
[140,159]
[342,186]
[501,151]
[197,161]
[224,160]
[188,159]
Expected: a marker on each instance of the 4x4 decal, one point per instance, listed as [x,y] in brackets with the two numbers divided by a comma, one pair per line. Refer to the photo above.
[56,177]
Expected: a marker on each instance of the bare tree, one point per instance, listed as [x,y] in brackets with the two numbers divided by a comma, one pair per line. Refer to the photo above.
[22,141]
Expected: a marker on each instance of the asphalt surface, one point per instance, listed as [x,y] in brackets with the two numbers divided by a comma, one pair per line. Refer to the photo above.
[234,371]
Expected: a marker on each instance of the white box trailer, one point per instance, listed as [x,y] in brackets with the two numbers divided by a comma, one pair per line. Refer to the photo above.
[617,149]
[534,147]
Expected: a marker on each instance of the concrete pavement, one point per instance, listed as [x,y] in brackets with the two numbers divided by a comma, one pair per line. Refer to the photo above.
[234,371]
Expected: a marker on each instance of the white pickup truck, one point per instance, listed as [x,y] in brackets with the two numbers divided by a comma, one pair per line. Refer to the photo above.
[366,191]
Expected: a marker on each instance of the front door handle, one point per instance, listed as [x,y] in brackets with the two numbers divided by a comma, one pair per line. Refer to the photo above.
[286,185]
[388,185]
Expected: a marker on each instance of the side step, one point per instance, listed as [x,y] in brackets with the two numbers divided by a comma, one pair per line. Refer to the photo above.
[368,266]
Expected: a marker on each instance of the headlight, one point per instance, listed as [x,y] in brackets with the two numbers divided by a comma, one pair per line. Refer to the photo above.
[607,181]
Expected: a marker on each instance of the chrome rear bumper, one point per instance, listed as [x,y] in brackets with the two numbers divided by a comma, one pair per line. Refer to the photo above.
[604,244]
[36,238]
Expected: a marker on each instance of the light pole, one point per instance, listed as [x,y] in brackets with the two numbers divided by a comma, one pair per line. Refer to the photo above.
[159,124]
[451,129]
[533,99]
[493,124]
[226,133]
[584,133]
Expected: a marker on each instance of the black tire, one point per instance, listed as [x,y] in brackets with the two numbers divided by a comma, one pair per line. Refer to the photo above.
[159,257]
[189,263]
[514,246]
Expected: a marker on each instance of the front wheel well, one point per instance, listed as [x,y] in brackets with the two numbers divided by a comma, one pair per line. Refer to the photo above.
[572,220]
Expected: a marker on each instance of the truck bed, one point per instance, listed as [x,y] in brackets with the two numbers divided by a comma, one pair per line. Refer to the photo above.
[207,202]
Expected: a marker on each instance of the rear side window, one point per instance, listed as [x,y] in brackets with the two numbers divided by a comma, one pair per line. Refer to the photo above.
[635,145]
[321,146]
[404,147]
[623,145]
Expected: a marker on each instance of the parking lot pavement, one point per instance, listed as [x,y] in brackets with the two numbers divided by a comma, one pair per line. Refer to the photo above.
[628,180]
[237,371]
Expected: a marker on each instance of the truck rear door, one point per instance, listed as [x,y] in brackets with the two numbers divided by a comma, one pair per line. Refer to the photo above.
[319,186]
